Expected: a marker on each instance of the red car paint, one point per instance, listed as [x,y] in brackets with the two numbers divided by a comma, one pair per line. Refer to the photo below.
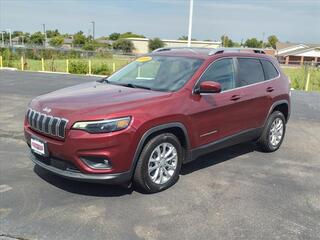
[221,113]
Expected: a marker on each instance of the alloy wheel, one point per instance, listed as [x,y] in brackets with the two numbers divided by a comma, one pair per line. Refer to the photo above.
[162,163]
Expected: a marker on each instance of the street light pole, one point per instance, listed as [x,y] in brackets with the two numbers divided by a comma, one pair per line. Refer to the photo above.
[93,29]
[10,39]
[45,35]
[190,23]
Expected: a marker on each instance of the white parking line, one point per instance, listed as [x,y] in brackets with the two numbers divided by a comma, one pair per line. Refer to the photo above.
[4,188]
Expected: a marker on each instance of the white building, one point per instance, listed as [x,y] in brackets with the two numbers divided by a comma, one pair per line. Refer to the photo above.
[141,44]
[292,53]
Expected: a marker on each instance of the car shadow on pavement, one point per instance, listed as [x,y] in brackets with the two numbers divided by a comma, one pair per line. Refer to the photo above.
[82,188]
[103,190]
[218,157]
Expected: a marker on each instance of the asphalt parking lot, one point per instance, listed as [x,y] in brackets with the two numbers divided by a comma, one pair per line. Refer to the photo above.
[235,193]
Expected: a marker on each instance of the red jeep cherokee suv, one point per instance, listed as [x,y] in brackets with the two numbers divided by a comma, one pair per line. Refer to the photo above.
[158,112]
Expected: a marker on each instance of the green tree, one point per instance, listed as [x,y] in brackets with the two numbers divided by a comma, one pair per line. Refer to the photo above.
[272,40]
[17,34]
[183,37]
[114,36]
[124,45]
[253,43]
[52,33]
[155,43]
[227,42]
[91,46]
[25,38]
[186,38]
[130,35]
[79,39]
[56,41]
[37,38]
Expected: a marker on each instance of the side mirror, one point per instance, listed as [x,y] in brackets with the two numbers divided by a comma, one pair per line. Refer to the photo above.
[209,87]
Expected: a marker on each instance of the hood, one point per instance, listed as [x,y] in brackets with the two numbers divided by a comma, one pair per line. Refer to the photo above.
[93,100]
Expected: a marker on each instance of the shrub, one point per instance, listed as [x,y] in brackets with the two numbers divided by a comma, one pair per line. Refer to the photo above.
[155,44]
[78,67]
[56,41]
[124,45]
[102,69]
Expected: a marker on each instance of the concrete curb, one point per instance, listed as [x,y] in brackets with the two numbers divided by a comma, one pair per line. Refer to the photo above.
[50,72]
[62,73]
[8,68]
[96,75]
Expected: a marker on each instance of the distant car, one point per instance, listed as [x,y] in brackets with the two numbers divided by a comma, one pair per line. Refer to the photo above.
[158,112]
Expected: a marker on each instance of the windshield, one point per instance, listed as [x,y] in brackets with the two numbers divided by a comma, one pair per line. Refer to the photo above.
[161,73]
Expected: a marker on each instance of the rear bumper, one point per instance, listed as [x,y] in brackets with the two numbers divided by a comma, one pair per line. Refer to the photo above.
[115,178]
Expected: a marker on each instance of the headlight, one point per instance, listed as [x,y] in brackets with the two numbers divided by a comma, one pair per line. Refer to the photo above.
[103,126]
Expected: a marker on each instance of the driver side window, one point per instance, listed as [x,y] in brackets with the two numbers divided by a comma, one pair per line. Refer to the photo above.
[221,71]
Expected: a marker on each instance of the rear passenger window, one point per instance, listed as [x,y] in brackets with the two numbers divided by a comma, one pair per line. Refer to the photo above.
[250,71]
[221,71]
[269,70]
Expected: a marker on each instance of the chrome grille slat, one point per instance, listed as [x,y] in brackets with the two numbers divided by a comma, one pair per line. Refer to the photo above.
[34,119]
[31,116]
[43,123]
[57,126]
[48,124]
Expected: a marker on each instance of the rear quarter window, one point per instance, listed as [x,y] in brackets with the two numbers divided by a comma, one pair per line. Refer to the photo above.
[250,71]
[269,69]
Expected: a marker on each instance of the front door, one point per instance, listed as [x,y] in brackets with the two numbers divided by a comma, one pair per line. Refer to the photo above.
[218,115]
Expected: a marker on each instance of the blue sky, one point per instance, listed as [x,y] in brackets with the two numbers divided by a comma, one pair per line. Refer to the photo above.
[290,20]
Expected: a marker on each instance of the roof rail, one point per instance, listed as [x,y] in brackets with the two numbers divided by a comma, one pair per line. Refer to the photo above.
[223,50]
[193,49]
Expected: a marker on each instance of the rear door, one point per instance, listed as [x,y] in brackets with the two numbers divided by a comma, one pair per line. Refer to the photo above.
[255,91]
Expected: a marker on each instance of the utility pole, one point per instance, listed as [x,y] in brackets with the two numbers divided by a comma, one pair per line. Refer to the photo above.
[263,39]
[45,35]
[190,23]
[93,29]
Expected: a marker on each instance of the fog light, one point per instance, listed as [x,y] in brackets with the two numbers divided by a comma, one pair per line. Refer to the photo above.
[96,162]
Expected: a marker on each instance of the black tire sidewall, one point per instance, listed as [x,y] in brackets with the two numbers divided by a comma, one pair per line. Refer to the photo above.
[272,117]
[170,138]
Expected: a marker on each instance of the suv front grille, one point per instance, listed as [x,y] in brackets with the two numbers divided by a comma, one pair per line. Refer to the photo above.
[47,124]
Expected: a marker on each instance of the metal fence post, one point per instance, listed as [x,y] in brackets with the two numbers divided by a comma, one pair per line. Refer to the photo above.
[308,80]
[22,64]
[89,67]
[67,65]
[42,64]
[1,64]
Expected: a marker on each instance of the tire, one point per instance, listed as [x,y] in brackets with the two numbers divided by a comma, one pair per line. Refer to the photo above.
[152,159]
[267,142]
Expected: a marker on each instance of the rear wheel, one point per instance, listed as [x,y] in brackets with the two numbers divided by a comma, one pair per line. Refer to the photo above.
[273,132]
[159,164]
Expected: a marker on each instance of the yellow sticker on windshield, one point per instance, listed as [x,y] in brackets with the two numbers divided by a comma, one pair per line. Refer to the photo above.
[144,59]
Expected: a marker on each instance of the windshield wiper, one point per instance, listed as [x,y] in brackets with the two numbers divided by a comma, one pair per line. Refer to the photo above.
[131,85]
[103,80]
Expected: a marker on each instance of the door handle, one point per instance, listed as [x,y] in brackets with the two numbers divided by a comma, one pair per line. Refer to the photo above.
[270,89]
[235,98]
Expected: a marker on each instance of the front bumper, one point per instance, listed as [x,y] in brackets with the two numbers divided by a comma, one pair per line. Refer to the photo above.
[115,178]
[118,147]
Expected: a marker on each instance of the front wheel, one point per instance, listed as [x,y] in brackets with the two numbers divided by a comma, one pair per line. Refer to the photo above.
[273,132]
[159,164]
